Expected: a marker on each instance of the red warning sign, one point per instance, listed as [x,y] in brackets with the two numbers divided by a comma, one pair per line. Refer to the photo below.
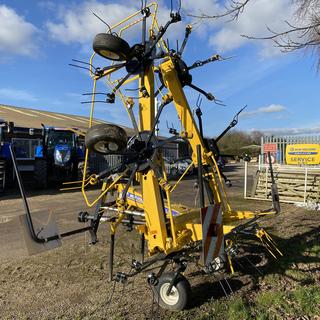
[272,148]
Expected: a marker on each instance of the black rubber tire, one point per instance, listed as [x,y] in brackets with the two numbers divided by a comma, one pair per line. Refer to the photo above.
[111,47]
[2,176]
[180,291]
[40,173]
[106,138]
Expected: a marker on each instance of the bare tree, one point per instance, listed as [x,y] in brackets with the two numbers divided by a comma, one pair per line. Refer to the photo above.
[232,10]
[255,136]
[304,34]
[233,141]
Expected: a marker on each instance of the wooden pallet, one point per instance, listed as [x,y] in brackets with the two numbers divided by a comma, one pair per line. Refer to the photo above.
[294,185]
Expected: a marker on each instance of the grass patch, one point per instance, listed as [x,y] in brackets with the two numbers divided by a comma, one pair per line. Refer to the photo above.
[314,251]
[304,301]
[271,304]
[308,300]
[272,279]
[268,305]
[238,309]
[299,275]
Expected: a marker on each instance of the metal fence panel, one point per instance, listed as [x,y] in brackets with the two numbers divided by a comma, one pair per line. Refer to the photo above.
[283,141]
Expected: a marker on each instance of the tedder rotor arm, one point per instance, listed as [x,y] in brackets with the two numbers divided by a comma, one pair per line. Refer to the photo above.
[186,37]
[208,95]
[198,64]
[233,123]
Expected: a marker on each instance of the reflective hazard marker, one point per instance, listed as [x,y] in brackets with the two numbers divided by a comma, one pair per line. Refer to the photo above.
[212,233]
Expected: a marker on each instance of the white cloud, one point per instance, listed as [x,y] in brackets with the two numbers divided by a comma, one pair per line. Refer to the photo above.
[200,7]
[252,22]
[78,24]
[290,131]
[17,36]
[16,95]
[272,108]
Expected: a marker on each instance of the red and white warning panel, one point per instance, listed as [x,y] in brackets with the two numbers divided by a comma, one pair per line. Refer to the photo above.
[212,233]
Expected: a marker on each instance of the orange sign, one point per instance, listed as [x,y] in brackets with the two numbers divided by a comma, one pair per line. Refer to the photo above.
[270,147]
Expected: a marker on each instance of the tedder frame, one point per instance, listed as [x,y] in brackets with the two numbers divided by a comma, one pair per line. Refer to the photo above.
[136,192]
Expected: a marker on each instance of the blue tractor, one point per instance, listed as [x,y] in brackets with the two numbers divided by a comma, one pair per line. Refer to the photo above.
[5,158]
[22,140]
[59,158]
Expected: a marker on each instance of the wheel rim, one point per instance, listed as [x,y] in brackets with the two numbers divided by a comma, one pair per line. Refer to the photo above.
[106,147]
[171,299]
[109,54]
[113,146]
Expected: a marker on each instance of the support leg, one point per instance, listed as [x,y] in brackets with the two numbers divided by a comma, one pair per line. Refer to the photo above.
[142,244]
[111,254]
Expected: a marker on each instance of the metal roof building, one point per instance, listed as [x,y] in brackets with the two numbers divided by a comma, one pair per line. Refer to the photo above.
[29,135]
[32,118]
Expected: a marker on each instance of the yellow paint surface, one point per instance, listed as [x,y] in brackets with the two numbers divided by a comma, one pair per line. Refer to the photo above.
[306,154]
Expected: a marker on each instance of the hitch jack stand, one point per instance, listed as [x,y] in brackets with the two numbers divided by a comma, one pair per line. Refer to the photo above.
[33,234]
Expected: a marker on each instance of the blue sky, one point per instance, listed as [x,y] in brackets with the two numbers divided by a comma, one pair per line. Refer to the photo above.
[39,38]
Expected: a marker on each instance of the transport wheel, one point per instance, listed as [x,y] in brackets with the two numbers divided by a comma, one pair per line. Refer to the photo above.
[178,298]
[106,139]
[2,176]
[111,47]
[40,173]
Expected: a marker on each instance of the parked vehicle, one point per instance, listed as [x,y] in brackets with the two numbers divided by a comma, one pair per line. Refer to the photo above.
[58,158]
[177,167]
[22,139]
[5,160]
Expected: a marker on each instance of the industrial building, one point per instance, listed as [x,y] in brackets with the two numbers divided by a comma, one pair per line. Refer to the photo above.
[28,134]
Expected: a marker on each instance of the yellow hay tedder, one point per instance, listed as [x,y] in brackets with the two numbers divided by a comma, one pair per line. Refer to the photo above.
[136,192]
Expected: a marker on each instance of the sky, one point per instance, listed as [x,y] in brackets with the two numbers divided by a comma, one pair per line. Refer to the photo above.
[39,38]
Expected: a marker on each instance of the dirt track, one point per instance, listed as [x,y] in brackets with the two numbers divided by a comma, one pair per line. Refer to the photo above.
[71,282]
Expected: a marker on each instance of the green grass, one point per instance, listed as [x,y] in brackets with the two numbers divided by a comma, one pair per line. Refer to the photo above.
[268,305]
[298,275]
[308,299]
[238,309]
[315,251]
[303,301]
[287,292]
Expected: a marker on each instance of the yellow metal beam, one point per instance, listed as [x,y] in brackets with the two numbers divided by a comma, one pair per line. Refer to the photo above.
[172,82]
[147,104]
